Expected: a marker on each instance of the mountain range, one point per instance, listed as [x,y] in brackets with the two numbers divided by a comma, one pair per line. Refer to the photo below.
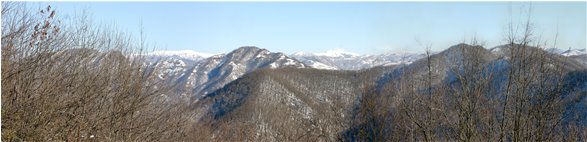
[194,74]
[339,59]
[326,104]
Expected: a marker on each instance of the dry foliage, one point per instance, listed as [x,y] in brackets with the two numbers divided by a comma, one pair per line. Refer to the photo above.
[73,81]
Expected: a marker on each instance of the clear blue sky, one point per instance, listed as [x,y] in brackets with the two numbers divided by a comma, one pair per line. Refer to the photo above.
[362,27]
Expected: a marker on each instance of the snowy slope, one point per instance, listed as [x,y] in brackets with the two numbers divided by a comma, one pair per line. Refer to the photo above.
[574,52]
[339,59]
[192,75]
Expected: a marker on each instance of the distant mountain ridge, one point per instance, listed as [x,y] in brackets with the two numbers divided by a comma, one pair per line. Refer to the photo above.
[339,59]
[194,76]
[187,54]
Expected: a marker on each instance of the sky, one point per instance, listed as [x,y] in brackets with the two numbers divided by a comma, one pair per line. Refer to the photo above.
[361,27]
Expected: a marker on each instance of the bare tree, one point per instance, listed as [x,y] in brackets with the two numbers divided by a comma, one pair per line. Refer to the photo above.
[71,80]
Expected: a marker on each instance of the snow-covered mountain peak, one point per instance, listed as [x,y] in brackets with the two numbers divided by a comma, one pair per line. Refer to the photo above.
[338,52]
[301,54]
[190,54]
[333,53]
[249,49]
[574,52]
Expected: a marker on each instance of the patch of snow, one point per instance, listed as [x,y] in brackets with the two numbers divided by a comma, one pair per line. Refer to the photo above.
[290,62]
[281,57]
[302,66]
[232,64]
[318,65]
[395,63]
[263,54]
[233,77]
[273,65]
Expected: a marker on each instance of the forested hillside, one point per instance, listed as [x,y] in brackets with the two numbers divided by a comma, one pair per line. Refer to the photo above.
[463,93]
[285,105]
